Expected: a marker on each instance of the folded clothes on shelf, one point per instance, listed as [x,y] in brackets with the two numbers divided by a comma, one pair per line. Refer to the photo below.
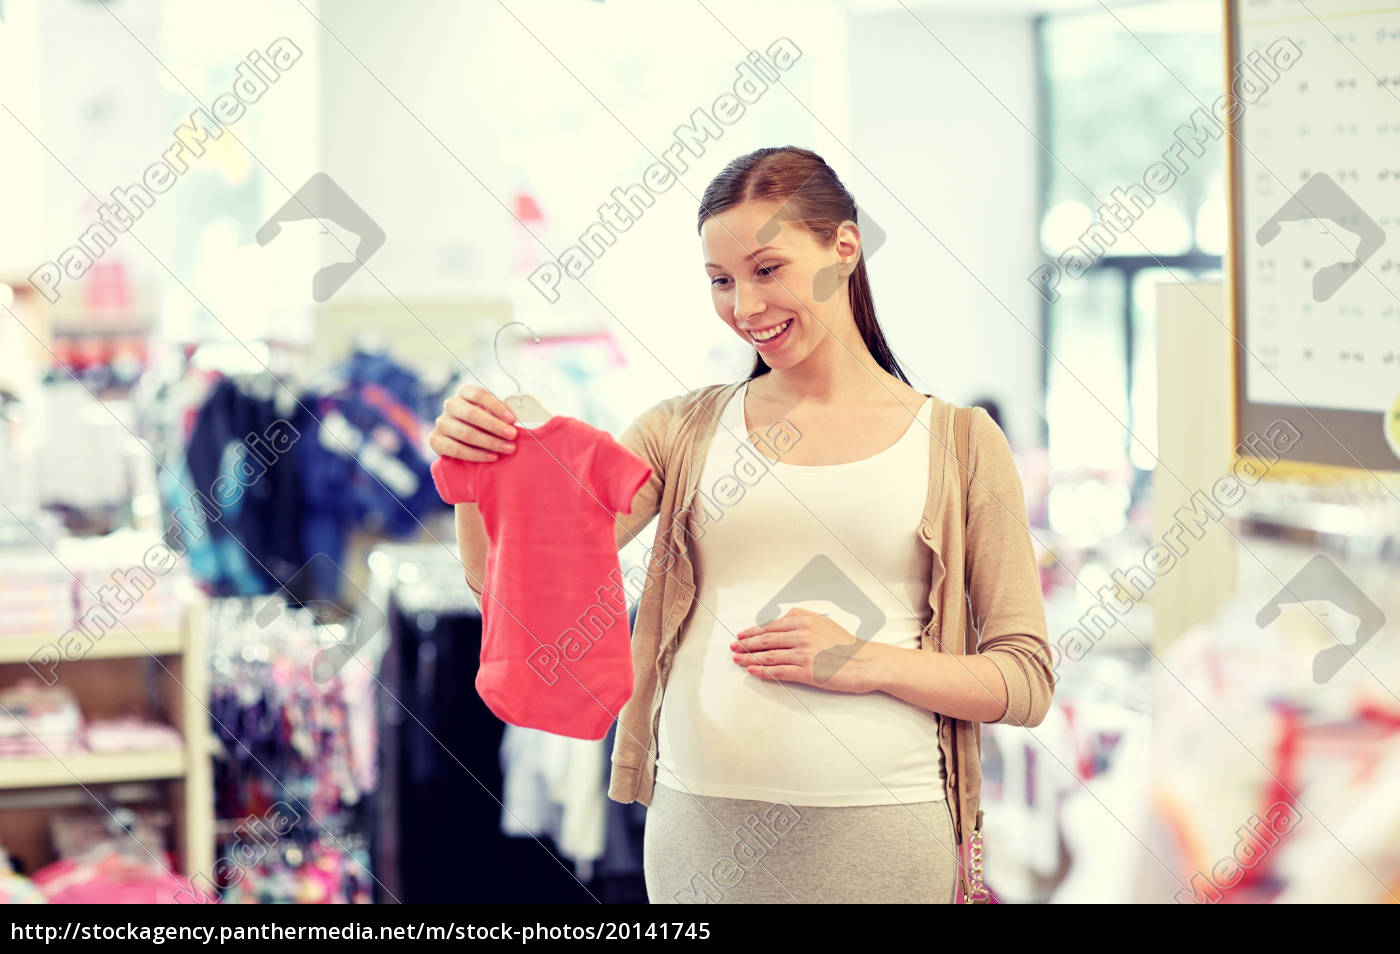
[38,720]
[29,747]
[130,734]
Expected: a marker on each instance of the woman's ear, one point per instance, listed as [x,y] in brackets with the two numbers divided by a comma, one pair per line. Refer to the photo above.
[849,241]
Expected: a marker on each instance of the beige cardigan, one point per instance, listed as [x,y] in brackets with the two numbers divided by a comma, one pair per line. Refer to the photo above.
[1003,582]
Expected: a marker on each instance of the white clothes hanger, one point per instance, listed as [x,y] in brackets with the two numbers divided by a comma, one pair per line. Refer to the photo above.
[528,410]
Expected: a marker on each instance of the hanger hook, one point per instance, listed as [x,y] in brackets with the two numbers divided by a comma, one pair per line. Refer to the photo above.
[497,343]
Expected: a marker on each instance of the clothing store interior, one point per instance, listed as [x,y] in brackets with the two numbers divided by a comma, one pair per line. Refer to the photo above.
[250,251]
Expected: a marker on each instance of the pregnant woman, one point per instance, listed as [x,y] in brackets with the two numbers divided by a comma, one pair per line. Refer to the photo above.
[808,684]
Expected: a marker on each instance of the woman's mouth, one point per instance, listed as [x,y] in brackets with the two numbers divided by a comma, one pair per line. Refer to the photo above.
[769,338]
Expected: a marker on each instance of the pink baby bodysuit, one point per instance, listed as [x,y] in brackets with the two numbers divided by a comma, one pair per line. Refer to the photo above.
[556,649]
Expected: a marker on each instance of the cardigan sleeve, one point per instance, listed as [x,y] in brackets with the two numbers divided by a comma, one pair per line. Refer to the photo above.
[1003,581]
[644,437]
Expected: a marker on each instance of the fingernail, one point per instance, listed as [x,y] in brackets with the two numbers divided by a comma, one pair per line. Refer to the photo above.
[511,430]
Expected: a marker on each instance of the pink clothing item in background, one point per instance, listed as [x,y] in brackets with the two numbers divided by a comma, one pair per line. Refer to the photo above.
[556,649]
[112,879]
[131,734]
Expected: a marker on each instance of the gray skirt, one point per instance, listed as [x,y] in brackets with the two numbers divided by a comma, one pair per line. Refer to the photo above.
[699,849]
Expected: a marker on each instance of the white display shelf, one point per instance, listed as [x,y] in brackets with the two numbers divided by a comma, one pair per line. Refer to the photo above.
[117,644]
[187,772]
[91,768]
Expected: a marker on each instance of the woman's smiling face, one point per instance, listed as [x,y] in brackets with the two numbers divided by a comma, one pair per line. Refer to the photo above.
[762,280]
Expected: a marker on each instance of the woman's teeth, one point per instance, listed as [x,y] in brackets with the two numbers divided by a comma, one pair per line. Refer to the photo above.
[772,332]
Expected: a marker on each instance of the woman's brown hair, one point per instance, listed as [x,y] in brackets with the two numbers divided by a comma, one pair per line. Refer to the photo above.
[814,197]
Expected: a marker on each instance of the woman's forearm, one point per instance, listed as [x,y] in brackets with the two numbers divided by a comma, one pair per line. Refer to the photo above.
[472,544]
[962,687]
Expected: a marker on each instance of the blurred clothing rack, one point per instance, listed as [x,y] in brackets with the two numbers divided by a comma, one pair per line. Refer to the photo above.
[437,833]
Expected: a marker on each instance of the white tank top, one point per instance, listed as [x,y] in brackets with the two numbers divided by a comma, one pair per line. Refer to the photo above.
[840,539]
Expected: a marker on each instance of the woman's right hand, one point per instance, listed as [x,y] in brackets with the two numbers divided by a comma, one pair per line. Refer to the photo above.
[473,425]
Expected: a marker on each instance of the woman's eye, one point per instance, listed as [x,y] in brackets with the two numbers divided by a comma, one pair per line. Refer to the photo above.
[767,271]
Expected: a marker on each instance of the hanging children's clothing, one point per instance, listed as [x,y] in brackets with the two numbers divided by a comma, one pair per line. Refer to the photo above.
[363,460]
[556,651]
[553,787]
[288,743]
[266,473]
[323,870]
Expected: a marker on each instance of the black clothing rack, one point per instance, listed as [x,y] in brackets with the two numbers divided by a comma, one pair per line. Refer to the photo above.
[437,835]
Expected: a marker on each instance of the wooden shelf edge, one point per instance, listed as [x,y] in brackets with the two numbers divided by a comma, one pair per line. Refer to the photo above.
[114,645]
[92,768]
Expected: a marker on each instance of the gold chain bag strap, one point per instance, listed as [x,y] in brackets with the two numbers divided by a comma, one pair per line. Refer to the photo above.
[976,893]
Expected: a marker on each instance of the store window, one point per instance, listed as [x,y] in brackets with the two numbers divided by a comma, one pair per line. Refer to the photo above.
[1117,87]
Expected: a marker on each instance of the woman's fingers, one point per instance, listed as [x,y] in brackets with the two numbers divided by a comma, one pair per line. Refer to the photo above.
[471,425]
[488,402]
[471,428]
[445,446]
[482,410]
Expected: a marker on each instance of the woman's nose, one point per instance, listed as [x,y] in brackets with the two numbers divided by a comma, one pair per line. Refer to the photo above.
[746,303]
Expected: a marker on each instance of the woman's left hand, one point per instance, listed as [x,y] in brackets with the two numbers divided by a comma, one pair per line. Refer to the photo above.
[808,648]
